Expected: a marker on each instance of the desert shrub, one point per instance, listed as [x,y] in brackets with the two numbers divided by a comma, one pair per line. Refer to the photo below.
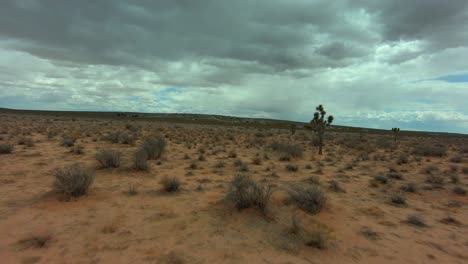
[170,184]
[257,161]
[112,137]
[465,170]
[395,175]
[402,159]
[459,190]
[313,180]
[73,180]
[409,187]
[26,141]
[430,150]
[6,148]
[311,198]
[436,180]
[67,142]
[289,149]
[335,186]
[154,147]
[140,160]
[78,149]
[381,178]
[201,157]
[291,167]
[430,169]
[416,221]
[126,138]
[232,154]
[397,199]
[108,158]
[316,239]
[457,158]
[454,179]
[243,192]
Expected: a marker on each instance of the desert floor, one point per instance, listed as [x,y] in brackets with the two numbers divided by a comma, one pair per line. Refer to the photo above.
[358,224]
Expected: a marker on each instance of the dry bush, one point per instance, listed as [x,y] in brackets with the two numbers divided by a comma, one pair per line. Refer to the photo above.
[291,150]
[291,167]
[397,199]
[108,158]
[416,221]
[154,147]
[6,148]
[78,149]
[67,142]
[459,190]
[73,180]
[409,187]
[435,180]
[170,184]
[243,192]
[457,158]
[140,160]
[311,198]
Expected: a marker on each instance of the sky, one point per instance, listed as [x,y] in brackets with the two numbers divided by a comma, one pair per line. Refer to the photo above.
[372,63]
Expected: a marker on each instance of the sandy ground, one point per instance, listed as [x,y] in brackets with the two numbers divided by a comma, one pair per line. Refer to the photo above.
[194,225]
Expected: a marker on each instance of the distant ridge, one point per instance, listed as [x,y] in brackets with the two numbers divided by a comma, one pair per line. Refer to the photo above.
[213,120]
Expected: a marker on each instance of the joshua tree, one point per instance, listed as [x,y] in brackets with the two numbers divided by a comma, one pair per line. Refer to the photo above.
[319,124]
[395,132]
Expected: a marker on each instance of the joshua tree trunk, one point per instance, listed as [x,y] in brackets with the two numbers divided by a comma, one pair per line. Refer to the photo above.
[320,144]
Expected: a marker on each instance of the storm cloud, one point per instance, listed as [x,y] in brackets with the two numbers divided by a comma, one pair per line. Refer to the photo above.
[278,59]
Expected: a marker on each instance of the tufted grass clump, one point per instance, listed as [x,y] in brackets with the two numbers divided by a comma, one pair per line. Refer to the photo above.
[140,160]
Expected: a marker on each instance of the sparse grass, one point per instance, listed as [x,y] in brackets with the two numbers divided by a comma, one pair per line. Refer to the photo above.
[335,186]
[170,184]
[291,150]
[369,233]
[132,190]
[430,150]
[416,221]
[108,158]
[311,198]
[6,148]
[73,180]
[35,241]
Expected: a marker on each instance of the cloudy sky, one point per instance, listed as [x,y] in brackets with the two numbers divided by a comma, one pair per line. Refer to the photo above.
[372,63]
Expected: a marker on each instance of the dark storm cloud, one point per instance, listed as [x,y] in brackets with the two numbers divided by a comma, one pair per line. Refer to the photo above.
[443,24]
[277,34]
